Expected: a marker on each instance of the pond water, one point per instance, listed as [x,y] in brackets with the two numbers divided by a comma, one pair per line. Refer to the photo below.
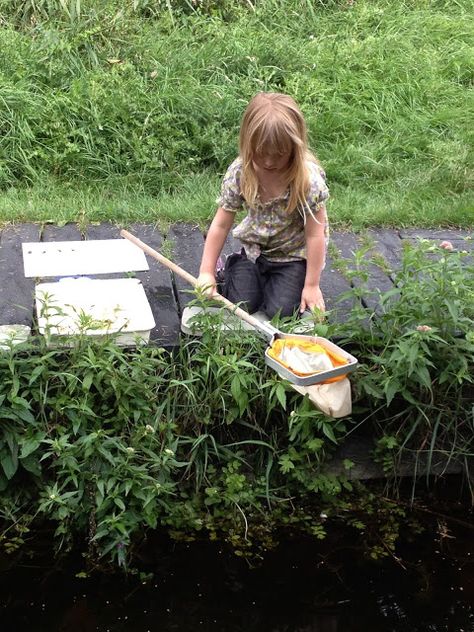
[302,586]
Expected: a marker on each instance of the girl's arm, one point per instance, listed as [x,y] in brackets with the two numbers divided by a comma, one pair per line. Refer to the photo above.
[216,236]
[315,237]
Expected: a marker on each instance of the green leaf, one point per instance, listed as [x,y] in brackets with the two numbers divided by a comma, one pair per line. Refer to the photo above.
[21,402]
[9,465]
[372,389]
[120,504]
[106,454]
[3,482]
[235,388]
[315,444]
[281,395]
[87,381]
[100,487]
[31,444]
[286,464]
[392,387]
[25,415]
[32,465]
[36,373]
[328,431]
[15,386]
[424,376]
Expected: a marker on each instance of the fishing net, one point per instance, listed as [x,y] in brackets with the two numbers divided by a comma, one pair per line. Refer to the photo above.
[305,357]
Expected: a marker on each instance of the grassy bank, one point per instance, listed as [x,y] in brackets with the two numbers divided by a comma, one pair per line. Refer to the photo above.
[130,110]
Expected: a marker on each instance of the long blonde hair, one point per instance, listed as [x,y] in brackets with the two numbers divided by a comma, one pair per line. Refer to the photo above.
[273,122]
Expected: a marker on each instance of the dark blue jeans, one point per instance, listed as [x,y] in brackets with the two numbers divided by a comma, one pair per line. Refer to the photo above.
[265,285]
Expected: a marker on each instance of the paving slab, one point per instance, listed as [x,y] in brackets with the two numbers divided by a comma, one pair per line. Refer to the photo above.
[158,285]
[231,245]
[388,244]
[462,240]
[157,281]
[333,286]
[360,450]
[16,291]
[185,243]
[168,294]
[435,233]
[68,232]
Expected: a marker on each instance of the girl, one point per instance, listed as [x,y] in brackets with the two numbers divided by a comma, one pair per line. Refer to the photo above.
[278,182]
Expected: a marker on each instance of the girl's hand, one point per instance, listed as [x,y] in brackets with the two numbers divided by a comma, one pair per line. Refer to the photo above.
[311,298]
[206,282]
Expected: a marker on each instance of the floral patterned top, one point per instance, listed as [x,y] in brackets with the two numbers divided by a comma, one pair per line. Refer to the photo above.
[268,228]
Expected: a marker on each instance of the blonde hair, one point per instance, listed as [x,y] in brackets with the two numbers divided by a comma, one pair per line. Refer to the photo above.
[273,122]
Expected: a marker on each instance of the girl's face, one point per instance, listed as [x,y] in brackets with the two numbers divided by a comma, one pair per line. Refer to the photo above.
[272,161]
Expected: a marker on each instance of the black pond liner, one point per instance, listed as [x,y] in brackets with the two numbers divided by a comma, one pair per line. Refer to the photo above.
[302,586]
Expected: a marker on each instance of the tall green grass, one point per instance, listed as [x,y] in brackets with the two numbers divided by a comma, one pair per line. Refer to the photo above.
[140,102]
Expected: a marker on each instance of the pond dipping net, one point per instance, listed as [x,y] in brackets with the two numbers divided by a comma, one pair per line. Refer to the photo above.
[305,357]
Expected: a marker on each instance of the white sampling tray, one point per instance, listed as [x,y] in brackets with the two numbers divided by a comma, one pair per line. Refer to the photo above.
[94,307]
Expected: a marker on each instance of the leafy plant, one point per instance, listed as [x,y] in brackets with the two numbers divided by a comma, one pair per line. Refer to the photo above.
[416,377]
[104,444]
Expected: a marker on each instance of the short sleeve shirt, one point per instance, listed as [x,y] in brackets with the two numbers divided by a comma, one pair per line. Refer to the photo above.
[269,229]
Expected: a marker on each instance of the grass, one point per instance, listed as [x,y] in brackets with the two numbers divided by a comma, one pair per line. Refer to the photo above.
[116,202]
[194,202]
[130,111]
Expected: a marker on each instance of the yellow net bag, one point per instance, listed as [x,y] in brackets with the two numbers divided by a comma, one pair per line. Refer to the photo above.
[305,357]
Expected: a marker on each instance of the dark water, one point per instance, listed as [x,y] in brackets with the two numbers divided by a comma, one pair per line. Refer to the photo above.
[302,586]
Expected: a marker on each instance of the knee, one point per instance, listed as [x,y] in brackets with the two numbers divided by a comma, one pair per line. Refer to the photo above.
[242,284]
[284,310]
[251,304]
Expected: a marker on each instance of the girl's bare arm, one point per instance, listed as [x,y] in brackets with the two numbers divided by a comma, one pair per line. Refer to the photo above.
[216,236]
[315,256]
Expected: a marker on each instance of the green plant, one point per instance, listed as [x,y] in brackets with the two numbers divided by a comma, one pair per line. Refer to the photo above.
[104,444]
[417,358]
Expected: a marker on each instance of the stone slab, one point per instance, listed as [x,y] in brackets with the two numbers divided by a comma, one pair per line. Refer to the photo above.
[16,291]
[438,234]
[378,280]
[158,285]
[68,232]
[462,240]
[185,243]
[333,286]
[360,449]
[387,244]
[157,281]
[231,245]
[168,294]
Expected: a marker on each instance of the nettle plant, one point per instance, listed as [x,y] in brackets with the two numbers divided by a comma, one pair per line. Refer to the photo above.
[107,444]
[104,443]
[415,382]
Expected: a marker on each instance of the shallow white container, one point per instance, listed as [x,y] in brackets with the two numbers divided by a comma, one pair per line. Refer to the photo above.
[94,307]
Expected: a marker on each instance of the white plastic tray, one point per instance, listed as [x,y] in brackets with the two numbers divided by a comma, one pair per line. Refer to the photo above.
[94,307]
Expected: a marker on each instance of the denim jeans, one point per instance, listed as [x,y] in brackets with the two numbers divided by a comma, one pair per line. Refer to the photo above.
[270,286]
